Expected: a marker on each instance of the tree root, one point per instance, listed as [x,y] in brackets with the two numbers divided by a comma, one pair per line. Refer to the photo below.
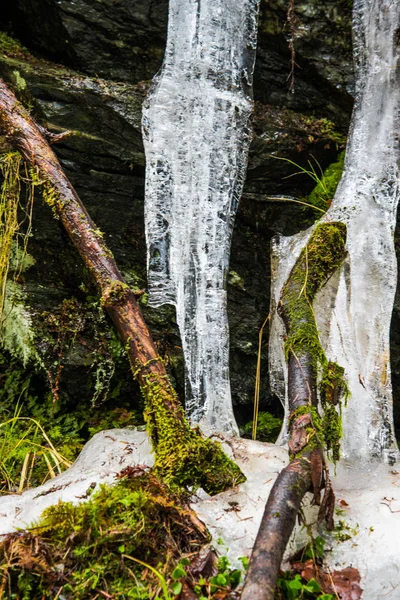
[307,470]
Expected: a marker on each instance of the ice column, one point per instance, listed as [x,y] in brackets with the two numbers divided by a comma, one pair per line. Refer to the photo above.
[196,136]
[354,310]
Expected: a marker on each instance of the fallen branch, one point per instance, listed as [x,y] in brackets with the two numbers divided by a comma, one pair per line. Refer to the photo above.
[307,470]
[183,456]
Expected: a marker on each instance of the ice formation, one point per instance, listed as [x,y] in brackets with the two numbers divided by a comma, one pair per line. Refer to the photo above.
[354,310]
[196,136]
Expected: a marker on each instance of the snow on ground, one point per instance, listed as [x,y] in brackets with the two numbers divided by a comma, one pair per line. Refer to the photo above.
[105,455]
[368,500]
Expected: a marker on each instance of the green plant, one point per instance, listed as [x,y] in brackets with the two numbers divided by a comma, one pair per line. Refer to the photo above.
[220,585]
[67,425]
[27,454]
[268,427]
[343,531]
[326,181]
[162,580]
[294,587]
[315,549]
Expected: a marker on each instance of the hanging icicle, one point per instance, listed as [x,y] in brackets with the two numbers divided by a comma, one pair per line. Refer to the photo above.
[196,133]
[355,310]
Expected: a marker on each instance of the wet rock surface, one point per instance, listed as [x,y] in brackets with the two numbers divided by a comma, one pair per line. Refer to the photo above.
[124,40]
[90,72]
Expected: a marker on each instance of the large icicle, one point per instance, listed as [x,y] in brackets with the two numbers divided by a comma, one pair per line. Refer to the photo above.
[355,309]
[196,134]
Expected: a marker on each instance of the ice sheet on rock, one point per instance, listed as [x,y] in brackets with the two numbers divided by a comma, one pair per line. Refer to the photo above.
[355,324]
[105,455]
[196,136]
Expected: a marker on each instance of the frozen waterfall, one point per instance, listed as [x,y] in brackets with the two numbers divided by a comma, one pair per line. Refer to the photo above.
[354,310]
[196,135]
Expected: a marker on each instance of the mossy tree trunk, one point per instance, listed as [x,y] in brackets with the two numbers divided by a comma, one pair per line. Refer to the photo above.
[183,456]
[307,470]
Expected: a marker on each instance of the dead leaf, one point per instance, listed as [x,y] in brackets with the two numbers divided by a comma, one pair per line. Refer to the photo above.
[344,583]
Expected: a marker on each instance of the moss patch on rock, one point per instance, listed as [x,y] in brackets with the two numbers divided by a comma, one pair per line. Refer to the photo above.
[323,193]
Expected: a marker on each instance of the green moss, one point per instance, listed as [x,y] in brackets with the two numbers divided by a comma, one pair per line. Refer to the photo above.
[323,193]
[20,82]
[235,280]
[9,201]
[319,259]
[315,417]
[268,427]
[114,293]
[333,388]
[97,542]
[183,456]
[322,255]
[11,47]
[50,195]
[315,431]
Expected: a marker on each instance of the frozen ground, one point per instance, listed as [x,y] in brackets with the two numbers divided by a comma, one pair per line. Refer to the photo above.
[105,455]
[369,501]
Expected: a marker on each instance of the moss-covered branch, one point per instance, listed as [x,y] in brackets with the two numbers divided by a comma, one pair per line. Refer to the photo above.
[183,456]
[10,164]
[310,434]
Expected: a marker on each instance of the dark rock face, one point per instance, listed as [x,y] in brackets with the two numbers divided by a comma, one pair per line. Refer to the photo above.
[323,75]
[115,39]
[107,48]
[124,41]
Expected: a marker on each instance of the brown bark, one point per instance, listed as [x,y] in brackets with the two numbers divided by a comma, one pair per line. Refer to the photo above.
[277,524]
[164,413]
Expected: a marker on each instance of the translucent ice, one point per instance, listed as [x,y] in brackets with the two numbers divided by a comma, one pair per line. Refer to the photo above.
[196,135]
[354,310]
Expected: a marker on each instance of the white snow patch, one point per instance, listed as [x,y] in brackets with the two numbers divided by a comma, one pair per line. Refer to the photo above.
[373,498]
[233,517]
[105,455]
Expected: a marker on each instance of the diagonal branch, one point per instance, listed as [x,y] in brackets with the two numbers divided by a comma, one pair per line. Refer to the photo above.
[183,456]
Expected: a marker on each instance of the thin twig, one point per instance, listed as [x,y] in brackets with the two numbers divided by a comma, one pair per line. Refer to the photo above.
[258,378]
